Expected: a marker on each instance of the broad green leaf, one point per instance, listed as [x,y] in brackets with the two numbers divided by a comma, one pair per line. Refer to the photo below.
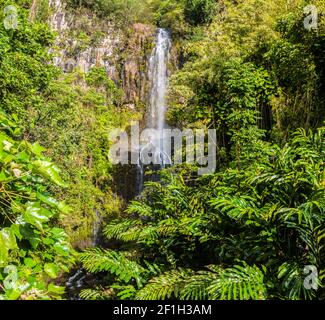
[55,289]
[16,230]
[7,242]
[36,215]
[53,202]
[13,294]
[61,248]
[58,234]
[3,176]
[29,262]
[51,270]
[50,171]
[23,156]
[37,149]
[3,253]
[9,238]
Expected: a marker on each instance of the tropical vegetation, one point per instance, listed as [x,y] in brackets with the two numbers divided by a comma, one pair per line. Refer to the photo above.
[252,230]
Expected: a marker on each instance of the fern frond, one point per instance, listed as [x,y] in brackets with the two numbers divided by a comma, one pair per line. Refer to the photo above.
[235,207]
[118,229]
[125,292]
[139,208]
[293,282]
[149,233]
[239,283]
[196,286]
[97,260]
[165,286]
[91,294]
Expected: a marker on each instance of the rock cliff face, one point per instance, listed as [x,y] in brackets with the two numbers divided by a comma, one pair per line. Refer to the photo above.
[85,41]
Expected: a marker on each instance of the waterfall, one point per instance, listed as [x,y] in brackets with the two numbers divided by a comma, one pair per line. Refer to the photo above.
[157,105]
[158,77]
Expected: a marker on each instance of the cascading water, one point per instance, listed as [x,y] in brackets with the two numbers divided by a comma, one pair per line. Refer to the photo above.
[158,76]
[157,107]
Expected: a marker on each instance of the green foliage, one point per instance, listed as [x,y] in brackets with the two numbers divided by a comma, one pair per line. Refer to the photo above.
[170,14]
[269,214]
[89,294]
[96,260]
[165,286]
[123,267]
[271,47]
[32,246]
[97,77]
[200,11]
[175,15]
[24,70]
[70,116]
[74,127]
[247,68]
[121,11]
[236,283]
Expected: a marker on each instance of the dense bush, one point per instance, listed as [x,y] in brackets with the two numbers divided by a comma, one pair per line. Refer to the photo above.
[122,11]
[244,234]
[172,14]
[33,248]
[200,11]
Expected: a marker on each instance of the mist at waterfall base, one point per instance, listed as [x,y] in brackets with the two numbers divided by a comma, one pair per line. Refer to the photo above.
[155,119]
